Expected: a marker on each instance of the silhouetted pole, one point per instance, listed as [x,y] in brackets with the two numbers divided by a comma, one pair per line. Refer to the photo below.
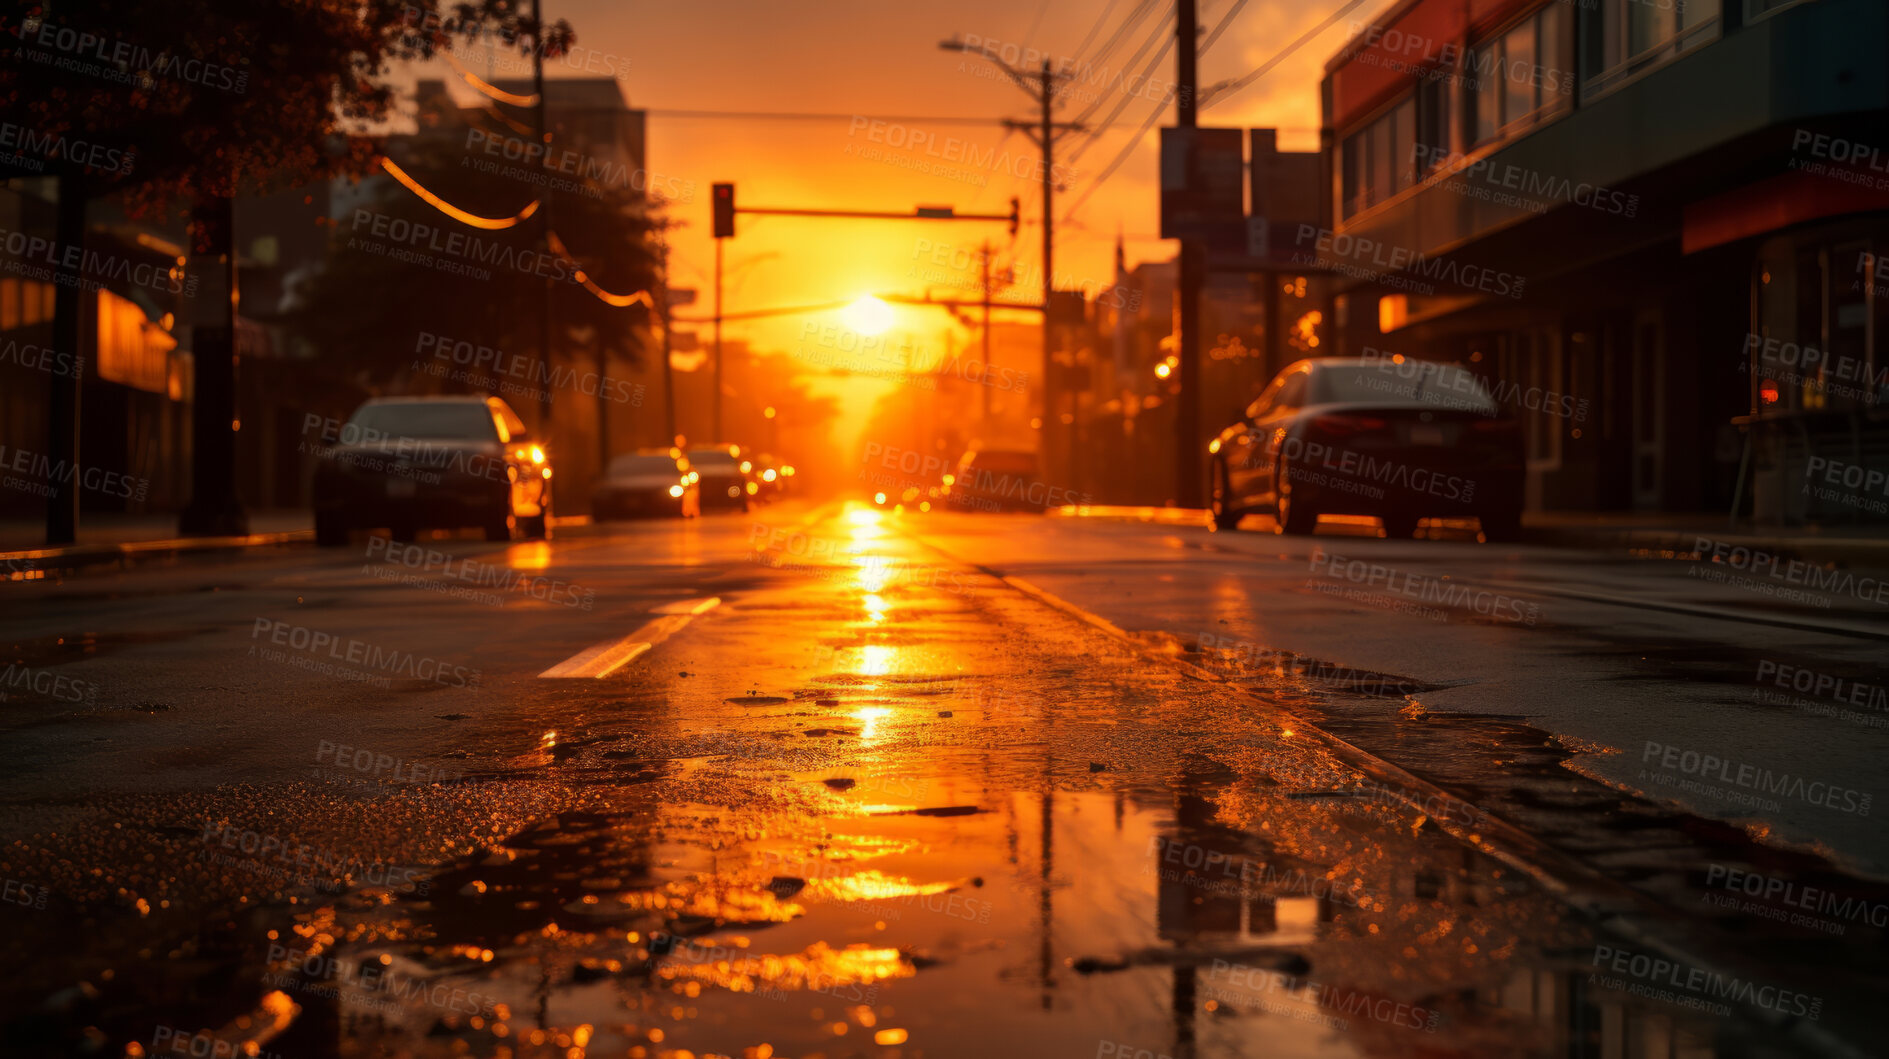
[62,391]
[1188,459]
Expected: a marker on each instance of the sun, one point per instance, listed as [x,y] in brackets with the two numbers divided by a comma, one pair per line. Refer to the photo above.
[869,315]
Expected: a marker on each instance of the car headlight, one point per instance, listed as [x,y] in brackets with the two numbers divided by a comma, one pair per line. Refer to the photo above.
[675,490]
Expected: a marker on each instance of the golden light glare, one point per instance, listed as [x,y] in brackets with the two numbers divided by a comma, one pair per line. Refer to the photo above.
[869,315]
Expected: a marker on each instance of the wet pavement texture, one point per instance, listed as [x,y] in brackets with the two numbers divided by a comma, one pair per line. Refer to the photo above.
[877,801]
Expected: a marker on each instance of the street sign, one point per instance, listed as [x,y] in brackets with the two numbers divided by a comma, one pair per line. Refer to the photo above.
[1203,183]
[684,342]
[679,296]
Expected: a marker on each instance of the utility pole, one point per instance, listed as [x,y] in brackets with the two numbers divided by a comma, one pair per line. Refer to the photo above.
[1048,135]
[984,424]
[544,215]
[719,440]
[1189,460]
[668,378]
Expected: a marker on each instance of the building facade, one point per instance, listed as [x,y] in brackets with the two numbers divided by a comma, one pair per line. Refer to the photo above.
[1653,227]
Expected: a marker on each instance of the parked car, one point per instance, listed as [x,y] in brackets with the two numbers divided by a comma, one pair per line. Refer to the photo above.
[724,484]
[646,483]
[997,480]
[413,463]
[1399,439]
[771,476]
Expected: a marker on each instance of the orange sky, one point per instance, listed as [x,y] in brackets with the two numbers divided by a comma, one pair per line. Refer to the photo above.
[875,59]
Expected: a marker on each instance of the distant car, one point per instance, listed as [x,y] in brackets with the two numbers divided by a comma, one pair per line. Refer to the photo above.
[413,463]
[649,483]
[771,476]
[997,480]
[1399,439]
[724,484]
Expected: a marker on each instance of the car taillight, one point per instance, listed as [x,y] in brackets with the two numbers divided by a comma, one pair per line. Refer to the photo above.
[1341,426]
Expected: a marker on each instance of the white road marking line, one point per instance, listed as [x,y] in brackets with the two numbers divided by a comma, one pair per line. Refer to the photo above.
[602,659]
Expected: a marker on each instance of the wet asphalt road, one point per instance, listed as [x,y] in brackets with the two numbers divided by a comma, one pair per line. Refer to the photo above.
[935,786]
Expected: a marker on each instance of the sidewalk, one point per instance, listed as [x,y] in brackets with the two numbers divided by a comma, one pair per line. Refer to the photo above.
[106,538]
[1860,544]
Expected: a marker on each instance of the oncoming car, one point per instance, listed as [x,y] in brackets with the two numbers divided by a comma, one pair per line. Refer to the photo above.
[1399,439]
[413,463]
[646,483]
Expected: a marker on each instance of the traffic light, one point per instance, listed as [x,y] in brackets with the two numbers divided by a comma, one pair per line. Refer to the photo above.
[724,210]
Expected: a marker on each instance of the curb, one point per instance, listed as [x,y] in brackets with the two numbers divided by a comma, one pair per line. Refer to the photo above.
[33,564]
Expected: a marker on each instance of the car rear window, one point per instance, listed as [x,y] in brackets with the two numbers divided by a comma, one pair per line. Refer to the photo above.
[462,422]
[1415,383]
[999,462]
[637,464]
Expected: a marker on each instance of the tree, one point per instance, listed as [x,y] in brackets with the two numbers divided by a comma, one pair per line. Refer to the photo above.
[209,99]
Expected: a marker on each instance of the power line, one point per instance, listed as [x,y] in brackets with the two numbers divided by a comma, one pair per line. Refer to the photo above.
[1265,67]
[780,115]
[1226,90]
[1094,29]
[1126,98]
[1134,19]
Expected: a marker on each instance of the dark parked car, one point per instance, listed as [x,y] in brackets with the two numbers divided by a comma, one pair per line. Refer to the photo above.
[643,484]
[998,480]
[724,484]
[413,463]
[1399,439]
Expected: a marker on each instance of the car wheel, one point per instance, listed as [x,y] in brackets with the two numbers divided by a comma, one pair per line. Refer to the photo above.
[1294,517]
[1400,527]
[330,531]
[500,528]
[1225,515]
[1505,526]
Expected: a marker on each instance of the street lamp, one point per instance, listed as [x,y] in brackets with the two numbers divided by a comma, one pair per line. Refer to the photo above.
[1044,90]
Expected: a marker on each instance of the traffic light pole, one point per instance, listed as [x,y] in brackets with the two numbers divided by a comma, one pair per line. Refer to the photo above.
[1189,460]
[722,227]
